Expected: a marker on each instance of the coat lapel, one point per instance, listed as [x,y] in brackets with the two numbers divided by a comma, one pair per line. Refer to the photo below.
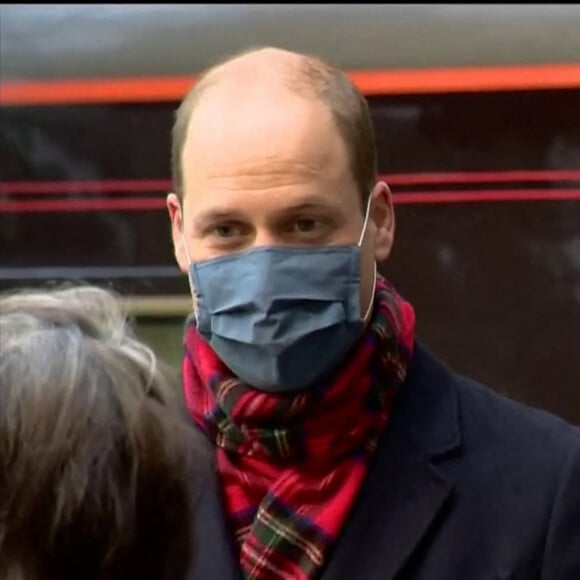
[404,493]
[213,552]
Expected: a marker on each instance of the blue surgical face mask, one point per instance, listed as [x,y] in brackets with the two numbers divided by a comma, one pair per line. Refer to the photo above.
[281,318]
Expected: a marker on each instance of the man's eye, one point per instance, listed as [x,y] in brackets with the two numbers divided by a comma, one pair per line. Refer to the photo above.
[306,225]
[225,230]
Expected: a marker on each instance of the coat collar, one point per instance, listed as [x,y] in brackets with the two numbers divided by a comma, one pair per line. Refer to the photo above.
[405,491]
[426,413]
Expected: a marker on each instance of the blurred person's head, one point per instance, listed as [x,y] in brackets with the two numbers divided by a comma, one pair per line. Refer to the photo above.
[94,446]
[274,148]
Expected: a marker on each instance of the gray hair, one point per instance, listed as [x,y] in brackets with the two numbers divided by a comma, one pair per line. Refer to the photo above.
[94,443]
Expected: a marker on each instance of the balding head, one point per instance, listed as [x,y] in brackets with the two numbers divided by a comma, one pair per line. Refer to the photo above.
[271,73]
[257,65]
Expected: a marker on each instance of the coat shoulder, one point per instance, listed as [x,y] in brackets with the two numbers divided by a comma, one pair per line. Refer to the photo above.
[510,424]
[484,420]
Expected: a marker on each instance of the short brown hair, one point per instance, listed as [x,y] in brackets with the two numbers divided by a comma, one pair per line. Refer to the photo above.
[94,446]
[313,77]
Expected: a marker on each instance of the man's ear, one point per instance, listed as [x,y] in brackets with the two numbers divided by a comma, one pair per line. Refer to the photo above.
[176,217]
[382,215]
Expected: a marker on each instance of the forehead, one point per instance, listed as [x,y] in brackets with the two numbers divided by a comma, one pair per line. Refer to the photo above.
[263,140]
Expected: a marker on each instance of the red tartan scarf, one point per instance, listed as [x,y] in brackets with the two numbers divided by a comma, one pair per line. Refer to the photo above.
[290,465]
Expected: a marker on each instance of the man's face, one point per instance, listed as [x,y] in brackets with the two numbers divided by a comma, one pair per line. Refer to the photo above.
[272,170]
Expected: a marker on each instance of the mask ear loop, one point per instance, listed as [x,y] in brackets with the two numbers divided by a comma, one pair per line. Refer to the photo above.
[191,287]
[366,222]
[364,231]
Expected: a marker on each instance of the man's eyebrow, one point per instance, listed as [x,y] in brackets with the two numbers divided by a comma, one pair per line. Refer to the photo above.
[306,205]
[310,202]
[320,206]
[215,215]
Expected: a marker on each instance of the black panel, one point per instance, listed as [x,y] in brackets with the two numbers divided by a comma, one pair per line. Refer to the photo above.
[496,285]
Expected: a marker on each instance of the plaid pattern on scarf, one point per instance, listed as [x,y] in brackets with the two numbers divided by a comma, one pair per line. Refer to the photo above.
[291,465]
